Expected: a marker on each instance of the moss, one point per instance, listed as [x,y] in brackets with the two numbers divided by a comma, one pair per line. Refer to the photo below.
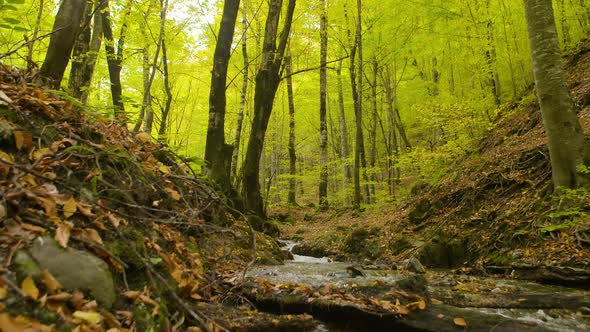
[125,248]
[400,244]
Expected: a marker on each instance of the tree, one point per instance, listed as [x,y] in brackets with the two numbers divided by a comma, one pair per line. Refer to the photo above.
[217,153]
[292,155]
[66,28]
[267,83]
[567,146]
[323,187]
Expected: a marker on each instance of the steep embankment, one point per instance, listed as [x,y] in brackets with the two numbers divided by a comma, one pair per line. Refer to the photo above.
[104,229]
[492,210]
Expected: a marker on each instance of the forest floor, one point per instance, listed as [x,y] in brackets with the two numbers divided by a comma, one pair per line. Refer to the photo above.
[492,212]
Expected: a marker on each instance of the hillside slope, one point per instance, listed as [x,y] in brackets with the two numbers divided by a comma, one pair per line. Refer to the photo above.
[493,208]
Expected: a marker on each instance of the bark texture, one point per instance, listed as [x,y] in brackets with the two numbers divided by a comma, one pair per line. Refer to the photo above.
[217,152]
[323,185]
[267,83]
[567,146]
[291,199]
[65,32]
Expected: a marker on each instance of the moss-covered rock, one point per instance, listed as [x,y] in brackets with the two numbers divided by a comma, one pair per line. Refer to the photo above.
[75,269]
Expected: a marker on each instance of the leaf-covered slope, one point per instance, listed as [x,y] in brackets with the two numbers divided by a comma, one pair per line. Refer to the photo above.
[101,228]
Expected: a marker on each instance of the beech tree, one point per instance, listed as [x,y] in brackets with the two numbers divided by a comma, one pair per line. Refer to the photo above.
[267,83]
[66,28]
[218,154]
[568,149]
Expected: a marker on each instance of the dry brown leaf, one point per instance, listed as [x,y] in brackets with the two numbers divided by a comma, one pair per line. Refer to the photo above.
[85,209]
[32,228]
[92,235]
[50,282]
[23,139]
[48,205]
[70,207]
[144,137]
[173,194]
[2,211]
[3,292]
[460,322]
[62,233]
[28,287]
[61,297]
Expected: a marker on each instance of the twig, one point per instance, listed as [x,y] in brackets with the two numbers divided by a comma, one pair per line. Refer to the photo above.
[25,44]
[12,285]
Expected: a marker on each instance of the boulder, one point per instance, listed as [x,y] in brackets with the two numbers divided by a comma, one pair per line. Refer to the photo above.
[75,269]
[414,265]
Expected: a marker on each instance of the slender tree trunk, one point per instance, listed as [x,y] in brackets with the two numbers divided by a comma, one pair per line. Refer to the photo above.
[267,83]
[65,32]
[80,53]
[360,144]
[217,152]
[374,120]
[149,111]
[236,151]
[567,146]
[343,131]
[166,112]
[31,46]
[115,60]
[323,185]
[291,199]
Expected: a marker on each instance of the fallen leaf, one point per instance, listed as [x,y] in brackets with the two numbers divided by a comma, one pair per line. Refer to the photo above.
[62,233]
[144,137]
[33,228]
[23,139]
[2,211]
[70,207]
[28,287]
[88,316]
[173,194]
[3,292]
[93,235]
[50,282]
[460,322]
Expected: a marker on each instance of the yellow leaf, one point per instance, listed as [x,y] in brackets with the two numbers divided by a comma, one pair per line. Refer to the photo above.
[144,137]
[28,287]
[62,233]
[50,282]
[48,205]
[3,292]
[70,207]
[460,322]
[173,194]
[163,168]
[88,316]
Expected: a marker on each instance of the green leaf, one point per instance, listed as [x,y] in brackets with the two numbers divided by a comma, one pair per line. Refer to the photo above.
[16,2]
[7,7]
[5,26]
[11,20]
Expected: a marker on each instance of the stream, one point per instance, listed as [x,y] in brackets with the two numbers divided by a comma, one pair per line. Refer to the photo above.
[465,295]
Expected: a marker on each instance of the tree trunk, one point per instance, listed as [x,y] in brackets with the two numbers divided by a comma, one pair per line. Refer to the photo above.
[166,112]
[373,133]
[291,199]
[66,28]
[343,130]
[323,185]
[149,111]
[236,151]
[567,146]
[79,53]
[217,152]
[115,60]
[31,46]
[267,83]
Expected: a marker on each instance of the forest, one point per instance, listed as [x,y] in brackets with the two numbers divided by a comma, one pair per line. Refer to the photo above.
[311,165]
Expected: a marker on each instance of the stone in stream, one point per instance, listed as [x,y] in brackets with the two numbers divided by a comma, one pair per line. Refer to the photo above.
[414,265]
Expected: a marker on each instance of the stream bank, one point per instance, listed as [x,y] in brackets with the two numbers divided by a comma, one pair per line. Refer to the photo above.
[325,290]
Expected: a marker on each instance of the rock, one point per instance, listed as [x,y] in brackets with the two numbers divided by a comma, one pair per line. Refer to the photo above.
[584,311]
[516,254]
[75,269]
[287,255]
[354,272]
[414,265]
[414,284]
[496,290]
[421,212]
[24,264]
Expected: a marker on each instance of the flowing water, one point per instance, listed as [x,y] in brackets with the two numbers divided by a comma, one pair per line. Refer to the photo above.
[322,271]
